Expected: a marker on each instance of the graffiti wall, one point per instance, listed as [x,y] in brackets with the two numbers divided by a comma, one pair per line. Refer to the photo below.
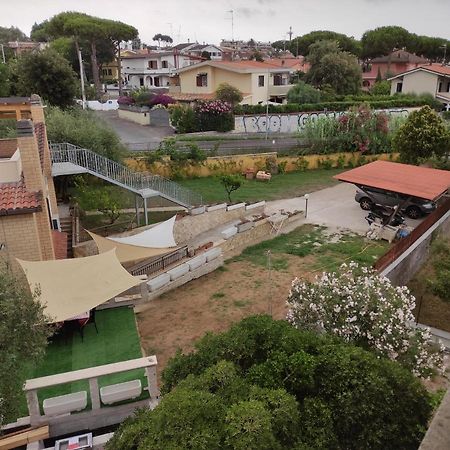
[291,123]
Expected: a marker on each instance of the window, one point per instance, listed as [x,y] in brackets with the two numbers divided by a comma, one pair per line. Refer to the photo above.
[109,71]
[399,87]
[448,86]
[156,81]
[202,80]
[278,80]
[165,64]
[260,80]
[141,81]
[440,86]
[153,64]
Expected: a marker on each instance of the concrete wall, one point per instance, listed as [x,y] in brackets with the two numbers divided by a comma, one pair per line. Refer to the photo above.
[216,165]
[419,82]
[142,118]
[11,168]
[291,123]
[409,263]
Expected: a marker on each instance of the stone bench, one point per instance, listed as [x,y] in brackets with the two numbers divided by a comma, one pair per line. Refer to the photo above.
[178,271]
[196,262]
[121,391]
[229,232]
[65,404]
[158,282]
[213,254]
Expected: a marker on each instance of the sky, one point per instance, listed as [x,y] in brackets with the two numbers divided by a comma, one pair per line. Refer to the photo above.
[263,20]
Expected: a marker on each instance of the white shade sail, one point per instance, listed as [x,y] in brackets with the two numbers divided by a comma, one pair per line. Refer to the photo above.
[69,287]
[159,236]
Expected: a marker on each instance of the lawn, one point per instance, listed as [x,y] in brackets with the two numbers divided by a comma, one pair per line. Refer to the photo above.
[244,286]
[117,340]
[292,184]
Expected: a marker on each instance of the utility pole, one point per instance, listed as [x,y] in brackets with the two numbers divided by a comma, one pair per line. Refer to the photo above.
[83,93]
[232,24]
[267,105]
[290,34]
[445,54]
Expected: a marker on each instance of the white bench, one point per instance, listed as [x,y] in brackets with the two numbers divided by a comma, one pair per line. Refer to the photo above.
[229,232]
[213,254]
[121,391]
[178,271]
[64,404]
[158,282]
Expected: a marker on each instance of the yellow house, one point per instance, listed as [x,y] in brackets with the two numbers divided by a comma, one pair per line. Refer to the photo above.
[259,82]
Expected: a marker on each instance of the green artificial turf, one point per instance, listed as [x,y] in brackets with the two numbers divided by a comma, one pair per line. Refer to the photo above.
[117,340]
[292,184]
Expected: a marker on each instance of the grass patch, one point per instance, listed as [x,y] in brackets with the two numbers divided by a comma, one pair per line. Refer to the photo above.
[117,340]
[241,303]
[217,295]
[292,184]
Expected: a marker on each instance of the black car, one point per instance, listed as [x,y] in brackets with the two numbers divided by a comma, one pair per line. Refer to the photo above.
[412,206]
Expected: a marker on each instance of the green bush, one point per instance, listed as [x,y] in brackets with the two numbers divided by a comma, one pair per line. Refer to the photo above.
[85,129]
[440,283]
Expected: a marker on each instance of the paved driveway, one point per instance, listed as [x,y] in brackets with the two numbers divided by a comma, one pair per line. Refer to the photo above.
[333,207]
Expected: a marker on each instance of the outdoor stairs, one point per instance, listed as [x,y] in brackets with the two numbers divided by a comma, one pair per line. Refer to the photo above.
[66,227]
[68,159]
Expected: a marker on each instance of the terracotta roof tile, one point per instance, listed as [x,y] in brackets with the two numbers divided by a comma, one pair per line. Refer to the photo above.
[16,199]
[400,56]
[437,67]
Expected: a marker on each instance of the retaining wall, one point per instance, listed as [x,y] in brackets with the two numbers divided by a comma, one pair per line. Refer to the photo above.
[141,118]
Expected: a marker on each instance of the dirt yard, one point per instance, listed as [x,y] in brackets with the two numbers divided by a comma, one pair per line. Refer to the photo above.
[244,286]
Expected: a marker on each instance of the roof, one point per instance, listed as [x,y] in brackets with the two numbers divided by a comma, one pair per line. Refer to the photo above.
[16,199]
[400,56]
[435,68]
[247,66]
[416,181]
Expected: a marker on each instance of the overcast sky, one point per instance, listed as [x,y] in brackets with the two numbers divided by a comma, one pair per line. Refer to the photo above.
[268,20]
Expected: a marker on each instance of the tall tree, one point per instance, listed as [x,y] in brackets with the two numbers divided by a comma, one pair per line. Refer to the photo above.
[162,38]
[332,67]
[382,40]
[48,74]
[24,331]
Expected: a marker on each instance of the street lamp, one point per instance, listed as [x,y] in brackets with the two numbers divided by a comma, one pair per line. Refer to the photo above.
[306,197]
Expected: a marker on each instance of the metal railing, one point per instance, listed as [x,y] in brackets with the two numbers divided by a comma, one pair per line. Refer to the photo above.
[122,176]
[155,265]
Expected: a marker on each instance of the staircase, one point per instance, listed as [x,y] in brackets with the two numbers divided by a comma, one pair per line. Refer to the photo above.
[69,159]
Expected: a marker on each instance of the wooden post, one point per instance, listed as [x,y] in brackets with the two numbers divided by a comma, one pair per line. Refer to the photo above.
[33,406]
[95,394]
[152,382]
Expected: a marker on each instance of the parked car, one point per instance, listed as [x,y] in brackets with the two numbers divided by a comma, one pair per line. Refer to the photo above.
[412,206]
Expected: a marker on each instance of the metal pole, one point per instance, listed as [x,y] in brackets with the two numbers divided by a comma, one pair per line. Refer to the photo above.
[306,196]
[83,93]
[267,105]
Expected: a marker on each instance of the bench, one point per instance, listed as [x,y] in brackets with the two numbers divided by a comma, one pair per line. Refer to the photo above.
[178,271]
[213,254]
[229,232]
[196,262]
[121,391]
[158,282]
[64,404]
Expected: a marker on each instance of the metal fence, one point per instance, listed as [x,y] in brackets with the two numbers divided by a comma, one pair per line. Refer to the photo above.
[401,246]
[152,266]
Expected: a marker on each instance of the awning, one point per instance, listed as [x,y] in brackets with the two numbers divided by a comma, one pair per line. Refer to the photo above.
[127,253]
[415,181]
[159,236]
[69,287]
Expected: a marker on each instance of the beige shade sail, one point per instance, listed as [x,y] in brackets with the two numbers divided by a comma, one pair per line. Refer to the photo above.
[127,253]
[69,287]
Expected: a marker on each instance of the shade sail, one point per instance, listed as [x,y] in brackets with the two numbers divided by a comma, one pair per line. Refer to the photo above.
[127,253]
[159,236]
[421,182]
[69,287]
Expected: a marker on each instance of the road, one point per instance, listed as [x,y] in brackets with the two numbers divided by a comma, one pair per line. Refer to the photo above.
[143,138]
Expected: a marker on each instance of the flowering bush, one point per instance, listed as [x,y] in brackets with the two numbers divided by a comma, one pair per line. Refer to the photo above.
[125,100]
[161,99]
[216,107]
[214,115]
[366,309]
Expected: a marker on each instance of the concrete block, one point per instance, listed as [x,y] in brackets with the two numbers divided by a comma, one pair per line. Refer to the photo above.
[229,232]
[196,211]
[178,271]
[255,205]
[121,391]
[216,207]
[64,404]
[241,227]
[196,262]
[158,282]
[236,206]
[213,254]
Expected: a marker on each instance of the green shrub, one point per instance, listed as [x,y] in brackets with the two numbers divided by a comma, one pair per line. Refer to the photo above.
[301,164]
[440,283]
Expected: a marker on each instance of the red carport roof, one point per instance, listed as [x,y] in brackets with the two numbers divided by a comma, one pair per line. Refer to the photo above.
[416,181]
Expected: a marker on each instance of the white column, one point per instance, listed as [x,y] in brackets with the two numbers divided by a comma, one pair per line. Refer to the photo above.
[95,394]
[33,407]
[145,211]
[152,382]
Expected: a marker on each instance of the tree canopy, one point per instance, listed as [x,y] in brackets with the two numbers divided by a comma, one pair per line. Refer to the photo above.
[228,93]
[303,93]
[332,67]
[162,38]
[24,331]
[45,73]
[423,135]
[266,385]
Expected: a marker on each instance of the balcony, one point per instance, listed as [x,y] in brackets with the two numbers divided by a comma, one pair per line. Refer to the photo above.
[279,91]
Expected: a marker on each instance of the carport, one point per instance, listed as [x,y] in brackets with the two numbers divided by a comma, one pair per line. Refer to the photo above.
[410,181]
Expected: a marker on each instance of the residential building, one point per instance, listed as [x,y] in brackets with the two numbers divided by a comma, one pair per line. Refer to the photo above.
[398,61]
[259,82]
[196,50]
[22,47]
[109,72]
[29,219]
[431,79]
